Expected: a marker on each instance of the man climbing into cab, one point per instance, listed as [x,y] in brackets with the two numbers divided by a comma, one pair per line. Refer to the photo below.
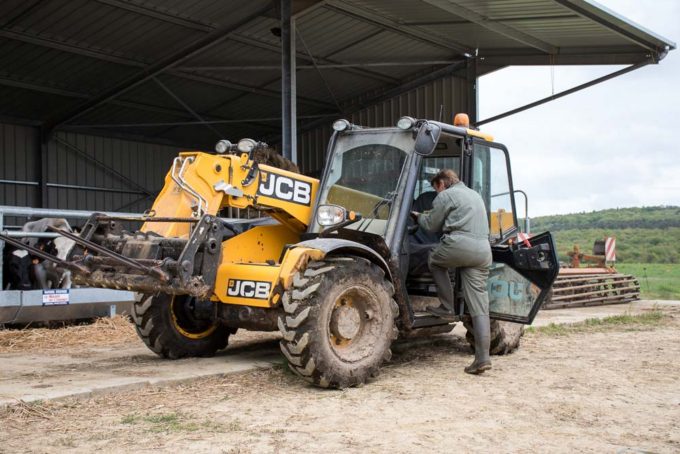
[459,212]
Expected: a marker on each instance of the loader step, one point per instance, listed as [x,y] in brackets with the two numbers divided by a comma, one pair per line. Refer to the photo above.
[425,319]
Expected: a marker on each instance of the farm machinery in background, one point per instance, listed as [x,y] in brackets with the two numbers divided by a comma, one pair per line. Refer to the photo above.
[592,280]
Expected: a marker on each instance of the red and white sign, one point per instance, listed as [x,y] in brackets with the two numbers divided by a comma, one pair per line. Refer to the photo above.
[55,297]
[610,249]
[524,238]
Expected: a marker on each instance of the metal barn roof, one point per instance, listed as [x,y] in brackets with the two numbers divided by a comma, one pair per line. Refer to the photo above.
[155,68]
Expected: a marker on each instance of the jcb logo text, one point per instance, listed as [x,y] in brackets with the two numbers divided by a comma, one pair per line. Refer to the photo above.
[258,290]
[285,188]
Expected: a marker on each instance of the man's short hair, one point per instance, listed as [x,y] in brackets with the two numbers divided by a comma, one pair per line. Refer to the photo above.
[446,176]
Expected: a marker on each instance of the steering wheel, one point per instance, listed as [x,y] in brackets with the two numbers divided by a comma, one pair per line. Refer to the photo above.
[412,227]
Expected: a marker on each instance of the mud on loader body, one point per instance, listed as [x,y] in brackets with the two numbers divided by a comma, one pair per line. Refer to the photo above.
[336,266]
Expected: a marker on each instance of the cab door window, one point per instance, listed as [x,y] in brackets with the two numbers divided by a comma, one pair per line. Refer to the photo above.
[491,179]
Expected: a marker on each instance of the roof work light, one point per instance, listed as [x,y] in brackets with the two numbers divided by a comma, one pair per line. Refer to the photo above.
[462,120]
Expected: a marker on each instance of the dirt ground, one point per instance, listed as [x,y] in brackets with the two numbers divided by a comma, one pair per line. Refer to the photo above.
[604,389]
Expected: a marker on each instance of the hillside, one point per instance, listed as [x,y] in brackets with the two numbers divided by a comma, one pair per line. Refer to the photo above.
[643,235]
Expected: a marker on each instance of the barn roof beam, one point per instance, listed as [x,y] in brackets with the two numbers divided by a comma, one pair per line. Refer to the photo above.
[495,26]
[50,43]
[374,64]
[106,56]
[385,23]
[617,24]
[405,87]
[561,94]
[303,56]
[205,27]
[9,82]
[162,16]
[164,64]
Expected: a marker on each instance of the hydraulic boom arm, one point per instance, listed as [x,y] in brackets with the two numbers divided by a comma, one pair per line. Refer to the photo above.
[183,246]
[201,183]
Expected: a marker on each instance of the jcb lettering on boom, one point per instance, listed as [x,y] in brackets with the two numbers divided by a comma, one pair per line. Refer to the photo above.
[249,289]
[285,188]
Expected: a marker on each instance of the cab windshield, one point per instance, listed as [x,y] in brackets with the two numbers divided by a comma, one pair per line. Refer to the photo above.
[364,173]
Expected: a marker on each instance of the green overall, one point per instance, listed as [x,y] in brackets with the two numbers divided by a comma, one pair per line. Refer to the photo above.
[460,213]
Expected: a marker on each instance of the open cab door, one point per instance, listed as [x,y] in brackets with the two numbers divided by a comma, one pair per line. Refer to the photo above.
[521,277]
[523,271]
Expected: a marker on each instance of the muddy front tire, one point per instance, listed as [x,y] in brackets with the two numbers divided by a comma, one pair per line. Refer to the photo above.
[505,336]
[167,325]
[339,323]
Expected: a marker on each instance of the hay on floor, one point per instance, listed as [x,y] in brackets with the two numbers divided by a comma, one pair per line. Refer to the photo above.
[103,332]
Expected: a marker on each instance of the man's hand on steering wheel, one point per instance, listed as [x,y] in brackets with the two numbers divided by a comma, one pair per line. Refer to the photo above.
[411,229]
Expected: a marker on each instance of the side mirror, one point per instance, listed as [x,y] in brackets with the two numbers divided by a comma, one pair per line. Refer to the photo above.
[427,138]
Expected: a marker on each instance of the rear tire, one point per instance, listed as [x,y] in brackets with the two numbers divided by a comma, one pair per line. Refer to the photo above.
[505,336]
[167,326]
[339,323]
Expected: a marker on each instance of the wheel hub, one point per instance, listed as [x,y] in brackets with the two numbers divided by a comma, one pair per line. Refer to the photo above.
[345,322]
[183,313]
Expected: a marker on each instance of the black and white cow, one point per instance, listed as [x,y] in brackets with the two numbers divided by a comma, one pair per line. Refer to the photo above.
[16,269]
[21,271]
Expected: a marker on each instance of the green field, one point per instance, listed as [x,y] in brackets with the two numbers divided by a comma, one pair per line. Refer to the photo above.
[643,235]
[647,242]
[657,281]
[633,245]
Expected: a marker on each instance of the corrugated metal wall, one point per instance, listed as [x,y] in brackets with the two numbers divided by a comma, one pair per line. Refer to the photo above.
[445,96]
[124,169]
[18,153]
[102,173]
[114,174]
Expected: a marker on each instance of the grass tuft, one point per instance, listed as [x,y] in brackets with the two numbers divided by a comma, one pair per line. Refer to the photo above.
[165,422]
[130,419]
[627,321]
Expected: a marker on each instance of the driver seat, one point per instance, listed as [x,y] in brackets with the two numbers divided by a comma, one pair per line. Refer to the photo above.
[419,279]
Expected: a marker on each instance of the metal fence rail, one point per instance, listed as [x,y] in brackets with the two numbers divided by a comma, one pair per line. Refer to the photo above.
[29,305]
[42,213]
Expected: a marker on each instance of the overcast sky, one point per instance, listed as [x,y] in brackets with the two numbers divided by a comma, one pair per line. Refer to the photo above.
[612,145]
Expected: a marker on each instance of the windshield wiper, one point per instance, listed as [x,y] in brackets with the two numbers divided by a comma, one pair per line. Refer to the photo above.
[384,201]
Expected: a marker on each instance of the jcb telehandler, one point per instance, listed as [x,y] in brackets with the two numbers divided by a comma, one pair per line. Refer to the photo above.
[337,266]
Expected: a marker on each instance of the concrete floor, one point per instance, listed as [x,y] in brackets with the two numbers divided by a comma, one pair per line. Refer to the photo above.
[85,372]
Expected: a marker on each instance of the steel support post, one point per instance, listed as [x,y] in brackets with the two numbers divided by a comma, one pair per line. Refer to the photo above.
[2,251]
[293,92]
[42,171]
[472,93]
[288,91]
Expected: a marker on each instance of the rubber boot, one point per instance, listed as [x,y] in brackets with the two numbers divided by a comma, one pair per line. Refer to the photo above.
[481,327]
[442,280]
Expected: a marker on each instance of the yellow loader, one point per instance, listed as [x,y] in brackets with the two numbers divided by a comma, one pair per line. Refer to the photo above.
[336,265]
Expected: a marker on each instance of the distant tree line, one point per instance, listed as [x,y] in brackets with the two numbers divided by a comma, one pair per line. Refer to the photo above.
[622,218]
[643,235]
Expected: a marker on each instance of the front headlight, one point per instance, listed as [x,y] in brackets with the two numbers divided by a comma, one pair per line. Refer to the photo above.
[406,123]
[246,145]
[341,125]
[223,146]
[328,215]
